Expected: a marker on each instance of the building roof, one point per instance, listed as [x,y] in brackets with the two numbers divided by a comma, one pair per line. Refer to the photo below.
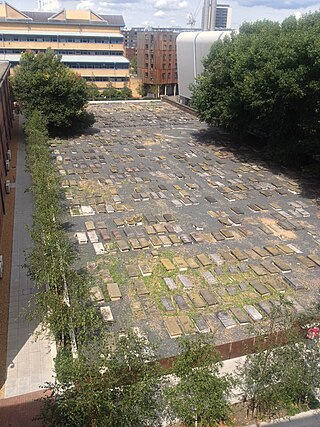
[26,32]
[4,66]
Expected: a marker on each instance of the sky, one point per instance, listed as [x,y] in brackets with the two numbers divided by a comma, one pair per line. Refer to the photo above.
[166,13]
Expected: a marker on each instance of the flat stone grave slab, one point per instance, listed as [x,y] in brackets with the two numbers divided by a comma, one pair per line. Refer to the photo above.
[123,245]
[273,250]
[227,234]
[315,258]
[276,283]
[186,324]
[140,287]
[218,236]
[226,319]
[232,290]
[166,242]
[266,307]
[261,252]
[186,240]
[217,259]
[192,263]
[145,269]
[89,225]
[132,271]
[180,263]
[285,248]
[253,312]
[259,287]
[293,282]
[227,256]
[170,283]
[135,244]
[172,326]
[101,225]
[96,294]
[99,248]
[167,304]
[185,281]
[167,264]
[114,291]
[209,277]
[296,305]
[175,240]
[306,262]
[201,325]
[181,302]
[258,269]
[271,268]
[81,237]
[208,297]
[156,242]
[239,254]
[282,265]
[197,301]
[240,315]
[106,314]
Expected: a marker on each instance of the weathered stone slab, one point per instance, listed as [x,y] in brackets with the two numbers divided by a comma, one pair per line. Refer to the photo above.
[315,258]
[208,297]
[106,314]
[89,225]
[96,294]
[123,245]
[266,307]
[167,304]
[99,248]
[217,259]
[197,237]
[81,237]
[271,268]
[181,302]
[226,255]
[101,225]
[259,287]
[185,281]
[132,271]
[150,229]
[180,263]
[172,327]
[285,248]
[192,263]
[156,242]
[186,240]
[175,240]
[261,252]
[240,315]
[197,301]
[239,254]
[201,325]
[209,277]
[273,250]
[282,265]
[171,284]
[168,265]
[105,235]
[204,260]
[166,242]
[114,291]
[140,287]
[253,312]
[218,236]
[258,269]
[226,320]
[145,269]
[186,324]
[227,234]
[135,244]
[293,283]
[306,262]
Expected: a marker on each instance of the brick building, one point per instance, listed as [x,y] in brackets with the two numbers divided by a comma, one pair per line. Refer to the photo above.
[6,121]
[157,61]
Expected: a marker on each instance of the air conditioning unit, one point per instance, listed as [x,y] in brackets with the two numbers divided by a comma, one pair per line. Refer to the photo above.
[9,155]
[7,165]
[1,266]
[8,187]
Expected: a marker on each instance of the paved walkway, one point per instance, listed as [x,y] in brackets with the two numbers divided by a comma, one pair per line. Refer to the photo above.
[29,360]
[305,419]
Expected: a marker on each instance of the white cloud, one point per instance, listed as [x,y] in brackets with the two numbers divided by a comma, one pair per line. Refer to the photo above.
[159,13]
[51,5]
[170,4]
[279,4]
[85,4]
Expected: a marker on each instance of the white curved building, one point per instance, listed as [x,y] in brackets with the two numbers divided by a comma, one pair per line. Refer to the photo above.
[192,48]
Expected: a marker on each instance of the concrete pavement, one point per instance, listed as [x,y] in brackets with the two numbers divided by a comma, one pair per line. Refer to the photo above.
[305,419]
[29,357]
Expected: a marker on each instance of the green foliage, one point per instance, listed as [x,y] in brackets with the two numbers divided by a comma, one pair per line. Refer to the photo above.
[266,80]
[41,82]
[201,393]
[93,92]
[114,386]
[111,92]
[280,377]
[134,65]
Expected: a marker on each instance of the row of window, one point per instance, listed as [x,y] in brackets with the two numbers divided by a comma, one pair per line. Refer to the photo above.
[60,39]
[103,65]
[163,75]
[106,79]
[69,52]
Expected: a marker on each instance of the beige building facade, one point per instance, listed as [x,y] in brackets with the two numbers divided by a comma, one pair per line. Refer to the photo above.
[89,43]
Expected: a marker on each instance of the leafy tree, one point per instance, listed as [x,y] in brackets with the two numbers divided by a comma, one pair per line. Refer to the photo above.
[200,395]
[116,386]
[41,82]
[126,92]
[134,65]
[265,80]
[111,92]
[280,377]
[93,92]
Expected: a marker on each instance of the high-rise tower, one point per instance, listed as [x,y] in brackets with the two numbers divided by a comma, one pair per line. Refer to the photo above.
[208,22]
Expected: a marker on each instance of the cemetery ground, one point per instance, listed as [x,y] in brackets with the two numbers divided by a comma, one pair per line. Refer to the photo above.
[183,232]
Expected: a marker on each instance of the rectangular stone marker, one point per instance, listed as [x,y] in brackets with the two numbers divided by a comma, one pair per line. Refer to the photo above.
[166,242]
[114,291]
[259,287]
[123,245]
[135,244]
[217,259]
[150,219]
[197,237]
[282,265]
[253,312]
[266,307]
[209,297]
[273,250]
[167,304]
[93,236]
[232,290]
[227,256]
[297,306]
[285,248]
[315,258]
[181,302]
[201,325]
[218,236]
[140,287]
[293,283]
[197,301]
[234,220]
[240,315]
[306,262]
[174,239]
[192,263]
[106,314]
[204,260]
[186,240]
[156,242]
[105,235]
[185,281]
[159,228]
[145,269]
[176,203]
[101,225]
[239,254]
[173,327]
[237,210]
[96,294]
[176,228]
[209,278]
[132,271]
[171,284]
[226,320]
[89,225]
[258,269]
[266,230]
[186,324]
[180,263]
[82,238]
[169,217]
[99,248]
[261,252]
[144,243]
[168,265]
[271,268]
[227,234]
[150,229]
[278,284]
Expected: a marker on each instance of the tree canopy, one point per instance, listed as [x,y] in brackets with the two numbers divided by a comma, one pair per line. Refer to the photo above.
[42,82]
[265,80]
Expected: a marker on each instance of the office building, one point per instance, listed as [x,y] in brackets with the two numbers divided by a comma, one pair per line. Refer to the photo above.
[215,16]
[90,44]
[223,16]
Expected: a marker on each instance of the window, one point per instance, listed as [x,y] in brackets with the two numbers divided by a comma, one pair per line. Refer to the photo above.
[169,75]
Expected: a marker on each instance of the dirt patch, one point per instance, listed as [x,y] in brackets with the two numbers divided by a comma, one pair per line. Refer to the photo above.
[278,231]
